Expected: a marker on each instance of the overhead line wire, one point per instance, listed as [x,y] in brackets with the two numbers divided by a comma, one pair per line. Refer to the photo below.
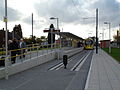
[75,7]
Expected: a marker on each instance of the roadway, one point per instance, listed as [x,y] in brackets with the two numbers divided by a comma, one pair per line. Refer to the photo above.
[52,75]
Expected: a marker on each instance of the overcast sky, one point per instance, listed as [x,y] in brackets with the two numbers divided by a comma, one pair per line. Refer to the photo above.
[69,12]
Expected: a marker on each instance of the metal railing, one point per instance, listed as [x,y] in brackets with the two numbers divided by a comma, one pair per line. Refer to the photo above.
[31,51]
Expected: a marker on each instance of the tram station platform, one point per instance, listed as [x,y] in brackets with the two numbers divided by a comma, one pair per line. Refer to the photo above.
[104,73]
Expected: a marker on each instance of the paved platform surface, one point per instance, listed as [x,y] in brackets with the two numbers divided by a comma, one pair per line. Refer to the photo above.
[104,73]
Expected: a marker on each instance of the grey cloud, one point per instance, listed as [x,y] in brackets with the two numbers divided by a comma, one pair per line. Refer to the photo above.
[13,15]
[108,11]
[1,10]
[27,20]
[37,24]
[73,12]
[63,9]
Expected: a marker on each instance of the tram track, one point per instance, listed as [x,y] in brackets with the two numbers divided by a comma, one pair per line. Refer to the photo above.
[80,56]
[80,62]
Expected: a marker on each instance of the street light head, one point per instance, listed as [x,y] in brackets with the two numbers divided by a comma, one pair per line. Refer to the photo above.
[105,22]
[52,18]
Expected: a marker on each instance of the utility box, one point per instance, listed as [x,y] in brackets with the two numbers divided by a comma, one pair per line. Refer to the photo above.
[65,60]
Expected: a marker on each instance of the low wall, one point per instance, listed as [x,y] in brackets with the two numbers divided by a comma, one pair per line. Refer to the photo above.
[35,61]
[27,64]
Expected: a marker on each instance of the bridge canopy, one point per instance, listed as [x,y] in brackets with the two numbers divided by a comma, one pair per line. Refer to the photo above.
[68,35]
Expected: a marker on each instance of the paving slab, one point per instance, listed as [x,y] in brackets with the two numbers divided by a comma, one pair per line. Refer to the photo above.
[104,73]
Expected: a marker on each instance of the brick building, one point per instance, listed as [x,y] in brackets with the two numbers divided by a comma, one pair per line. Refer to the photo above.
[2,36]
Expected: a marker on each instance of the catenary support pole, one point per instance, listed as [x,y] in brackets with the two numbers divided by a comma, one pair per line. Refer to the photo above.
[96,31]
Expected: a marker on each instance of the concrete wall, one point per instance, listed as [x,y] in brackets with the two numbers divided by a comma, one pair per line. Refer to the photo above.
[27,64]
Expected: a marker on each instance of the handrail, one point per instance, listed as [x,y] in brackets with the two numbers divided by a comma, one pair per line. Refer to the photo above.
[32,49]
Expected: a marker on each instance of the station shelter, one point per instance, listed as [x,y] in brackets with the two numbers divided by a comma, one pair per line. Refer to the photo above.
[68,39]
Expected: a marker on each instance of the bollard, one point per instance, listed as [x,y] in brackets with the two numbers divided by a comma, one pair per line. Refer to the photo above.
[65,61]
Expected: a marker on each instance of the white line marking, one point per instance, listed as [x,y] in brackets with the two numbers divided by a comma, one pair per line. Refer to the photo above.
[88,77]
[77,63]
[22,84]
[56,66]
[77,69]
[60,65]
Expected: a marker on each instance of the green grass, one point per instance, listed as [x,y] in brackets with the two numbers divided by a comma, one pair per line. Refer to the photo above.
[115,53]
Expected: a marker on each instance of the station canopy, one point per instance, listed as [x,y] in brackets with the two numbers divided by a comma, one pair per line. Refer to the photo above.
[68,35]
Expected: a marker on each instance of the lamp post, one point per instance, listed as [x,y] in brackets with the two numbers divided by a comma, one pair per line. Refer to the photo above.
[109,35]
[109,29]
[100,36]
[57,21]
[96,29]
[52,18]
[103,33]
[6,41]
[32,28]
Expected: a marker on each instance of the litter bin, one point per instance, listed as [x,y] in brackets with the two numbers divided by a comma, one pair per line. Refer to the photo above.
[65,60]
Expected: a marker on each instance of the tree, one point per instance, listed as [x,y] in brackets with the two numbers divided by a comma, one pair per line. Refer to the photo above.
[17,32]
[43,38]
[117,39]
[35,39]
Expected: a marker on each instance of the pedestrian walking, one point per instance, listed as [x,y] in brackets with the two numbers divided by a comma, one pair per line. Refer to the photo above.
[13,46]
[9,44]
[22,45]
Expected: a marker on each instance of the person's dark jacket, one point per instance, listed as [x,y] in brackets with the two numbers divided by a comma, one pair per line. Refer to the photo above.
[14,46]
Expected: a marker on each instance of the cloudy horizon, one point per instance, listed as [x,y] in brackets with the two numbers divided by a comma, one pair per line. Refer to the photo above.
[69,12]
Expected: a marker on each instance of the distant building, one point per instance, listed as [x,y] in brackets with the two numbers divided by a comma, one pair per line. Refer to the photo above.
[16,33]
[2,37]
[104,43]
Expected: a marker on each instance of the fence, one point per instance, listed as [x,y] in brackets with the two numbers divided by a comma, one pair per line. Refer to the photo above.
[31,51]
[35,55]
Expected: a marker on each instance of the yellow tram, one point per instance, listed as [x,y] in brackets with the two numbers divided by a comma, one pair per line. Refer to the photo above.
[88,44]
